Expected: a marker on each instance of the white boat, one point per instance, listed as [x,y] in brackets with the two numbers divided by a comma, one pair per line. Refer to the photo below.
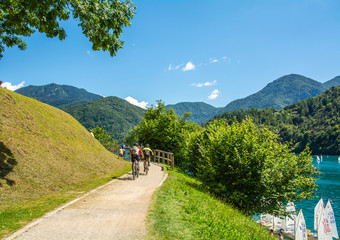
[324,230]
[331,218]
[299,231]
[300,227]
[318,159]
[338,159]
[317,210]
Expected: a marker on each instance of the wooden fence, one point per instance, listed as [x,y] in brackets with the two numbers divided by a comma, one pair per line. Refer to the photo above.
[158,155]
[163,157]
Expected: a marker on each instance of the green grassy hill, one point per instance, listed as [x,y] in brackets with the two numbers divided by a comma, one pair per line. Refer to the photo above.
[184,209]
[46,158]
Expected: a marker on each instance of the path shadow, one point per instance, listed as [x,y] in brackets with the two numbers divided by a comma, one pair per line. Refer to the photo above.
[7,163]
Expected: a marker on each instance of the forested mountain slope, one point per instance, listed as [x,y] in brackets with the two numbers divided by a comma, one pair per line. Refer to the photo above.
[60,96]
[280,93]
[201,112]
[314,122]
[332,83]
[113,114]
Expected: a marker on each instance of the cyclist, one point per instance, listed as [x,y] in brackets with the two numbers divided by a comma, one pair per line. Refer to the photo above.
[135,154]
[147,154]
[122,150]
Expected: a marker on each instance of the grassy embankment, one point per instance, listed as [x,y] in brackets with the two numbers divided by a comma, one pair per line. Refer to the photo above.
[183,209]
[46,159]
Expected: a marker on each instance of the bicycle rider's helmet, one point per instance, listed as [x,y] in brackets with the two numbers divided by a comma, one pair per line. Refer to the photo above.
[135,144]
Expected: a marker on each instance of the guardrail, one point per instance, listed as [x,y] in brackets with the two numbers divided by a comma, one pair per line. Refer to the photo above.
[164,157]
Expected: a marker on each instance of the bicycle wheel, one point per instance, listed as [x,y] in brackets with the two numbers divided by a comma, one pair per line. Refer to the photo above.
[146,168]
[137,170]
[134,171]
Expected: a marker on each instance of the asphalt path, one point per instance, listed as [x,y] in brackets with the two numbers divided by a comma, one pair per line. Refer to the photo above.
[116,210]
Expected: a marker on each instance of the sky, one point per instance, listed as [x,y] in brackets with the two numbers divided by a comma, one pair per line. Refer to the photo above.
[212,51]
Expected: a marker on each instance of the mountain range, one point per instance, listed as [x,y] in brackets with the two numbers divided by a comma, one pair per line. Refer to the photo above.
[113,114]
[60,96]
[313,121]
[117,116]
[277,94]
[201,112]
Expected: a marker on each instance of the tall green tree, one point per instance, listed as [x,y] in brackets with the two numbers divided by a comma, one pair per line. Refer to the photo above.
[249,167]
[163,130]
[102,21]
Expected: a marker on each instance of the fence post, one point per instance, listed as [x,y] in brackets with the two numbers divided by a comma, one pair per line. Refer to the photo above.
[172,161]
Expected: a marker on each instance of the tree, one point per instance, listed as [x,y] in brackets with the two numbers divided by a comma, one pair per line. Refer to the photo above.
[246,165]
[104,138]
[101,21]
[163,130]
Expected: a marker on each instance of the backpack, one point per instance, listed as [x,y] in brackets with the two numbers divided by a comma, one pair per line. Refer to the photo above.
[146,152]
[134,152]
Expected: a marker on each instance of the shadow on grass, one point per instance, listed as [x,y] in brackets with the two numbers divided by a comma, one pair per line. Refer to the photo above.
[7,163]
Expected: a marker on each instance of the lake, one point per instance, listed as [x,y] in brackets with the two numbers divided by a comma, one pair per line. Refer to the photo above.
[329,188]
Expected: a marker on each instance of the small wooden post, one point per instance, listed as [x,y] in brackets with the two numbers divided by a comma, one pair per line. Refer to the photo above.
[173,162]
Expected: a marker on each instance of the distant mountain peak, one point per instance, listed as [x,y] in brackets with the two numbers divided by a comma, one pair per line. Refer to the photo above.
[60,96]
[281,92]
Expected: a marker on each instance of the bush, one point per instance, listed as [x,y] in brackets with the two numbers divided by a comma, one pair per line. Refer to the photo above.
[248,166]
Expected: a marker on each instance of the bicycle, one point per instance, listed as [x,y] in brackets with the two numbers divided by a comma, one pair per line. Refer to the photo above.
[146,167]
[135,169]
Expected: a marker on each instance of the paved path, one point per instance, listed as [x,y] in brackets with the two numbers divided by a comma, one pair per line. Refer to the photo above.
[116,210]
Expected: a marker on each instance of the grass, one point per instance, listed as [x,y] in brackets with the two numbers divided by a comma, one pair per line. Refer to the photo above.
[47,158]
[183,209]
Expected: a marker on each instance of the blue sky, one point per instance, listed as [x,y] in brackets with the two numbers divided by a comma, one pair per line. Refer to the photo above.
[210,51]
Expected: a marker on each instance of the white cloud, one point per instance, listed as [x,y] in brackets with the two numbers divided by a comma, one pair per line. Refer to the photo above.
[214,94]
[213,60]
[188,67]
[205,84]
[11,87]
[172,68]
[136,103]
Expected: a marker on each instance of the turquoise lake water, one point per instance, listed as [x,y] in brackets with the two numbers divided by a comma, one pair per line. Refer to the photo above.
[329,188]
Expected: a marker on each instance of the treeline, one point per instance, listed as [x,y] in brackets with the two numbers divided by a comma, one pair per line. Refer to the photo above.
[313,122]
[243,163]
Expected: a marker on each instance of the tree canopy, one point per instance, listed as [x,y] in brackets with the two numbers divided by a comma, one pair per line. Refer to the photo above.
[102,21]
[243,163]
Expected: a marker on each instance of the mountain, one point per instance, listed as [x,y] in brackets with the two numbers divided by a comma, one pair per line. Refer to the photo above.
[313,121]
[280,93]
[201,112]
[113,114]
[60,96]
[332,83]
[45,155]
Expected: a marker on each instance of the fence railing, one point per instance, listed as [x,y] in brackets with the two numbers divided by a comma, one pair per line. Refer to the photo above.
[163,157]
[158,155]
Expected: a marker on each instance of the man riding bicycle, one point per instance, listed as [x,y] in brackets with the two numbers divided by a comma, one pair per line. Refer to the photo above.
[147,154]
[135,154]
